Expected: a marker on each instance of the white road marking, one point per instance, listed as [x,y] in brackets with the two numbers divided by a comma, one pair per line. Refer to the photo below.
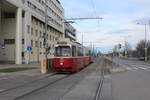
[135,68]
[134,65]
[1,90]
[4,78]
[128,68]
[142,68]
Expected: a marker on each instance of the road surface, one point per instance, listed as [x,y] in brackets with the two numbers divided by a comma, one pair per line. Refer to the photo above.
[132,84]
[84,85]
[87,84]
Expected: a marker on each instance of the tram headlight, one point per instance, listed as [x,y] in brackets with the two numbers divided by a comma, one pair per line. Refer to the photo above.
[61,63]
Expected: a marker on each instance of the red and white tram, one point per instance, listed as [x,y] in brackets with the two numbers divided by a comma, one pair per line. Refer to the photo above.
[70,56]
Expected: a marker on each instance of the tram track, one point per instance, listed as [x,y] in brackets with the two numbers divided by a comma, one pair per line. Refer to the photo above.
[76,83]
[45,86]
[68,90]
[82,72]
[101,81]
[53,79]
[33,81]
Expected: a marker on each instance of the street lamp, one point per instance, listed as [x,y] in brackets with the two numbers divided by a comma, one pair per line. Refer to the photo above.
[145,49]
[126,45]
[45,34]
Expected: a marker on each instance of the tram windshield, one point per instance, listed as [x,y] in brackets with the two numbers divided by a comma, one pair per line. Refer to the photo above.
[63,51]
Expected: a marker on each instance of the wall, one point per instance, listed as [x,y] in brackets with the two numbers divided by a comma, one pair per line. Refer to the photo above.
[0,18]
[55,32]
[8,30]
[37,9]
[36,35]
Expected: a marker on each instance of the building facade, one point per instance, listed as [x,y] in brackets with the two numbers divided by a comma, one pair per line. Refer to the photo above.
[70,32]
[22,25]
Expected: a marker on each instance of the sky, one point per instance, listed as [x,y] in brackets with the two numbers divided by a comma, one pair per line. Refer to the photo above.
[120,18]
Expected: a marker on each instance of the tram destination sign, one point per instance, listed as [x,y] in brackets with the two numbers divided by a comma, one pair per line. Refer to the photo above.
[62,42]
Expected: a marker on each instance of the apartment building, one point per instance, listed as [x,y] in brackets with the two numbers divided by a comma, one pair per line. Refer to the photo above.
[70,32]
[22,25]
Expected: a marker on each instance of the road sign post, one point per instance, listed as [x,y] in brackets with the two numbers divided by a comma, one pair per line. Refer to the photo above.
[29,49]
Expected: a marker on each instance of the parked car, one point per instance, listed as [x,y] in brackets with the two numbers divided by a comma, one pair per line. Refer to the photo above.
[141,58]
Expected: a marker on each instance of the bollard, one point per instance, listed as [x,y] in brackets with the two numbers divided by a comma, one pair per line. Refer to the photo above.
[44,65]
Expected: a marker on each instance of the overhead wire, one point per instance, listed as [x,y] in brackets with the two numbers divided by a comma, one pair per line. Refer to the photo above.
[94,9]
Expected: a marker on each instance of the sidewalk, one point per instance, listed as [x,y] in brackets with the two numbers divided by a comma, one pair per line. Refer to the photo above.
[20,65]
[32,72]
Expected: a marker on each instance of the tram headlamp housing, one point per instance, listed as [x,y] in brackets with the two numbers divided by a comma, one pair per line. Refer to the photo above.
[61,63]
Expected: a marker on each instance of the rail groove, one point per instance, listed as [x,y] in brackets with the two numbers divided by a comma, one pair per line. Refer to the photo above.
[51,83]
[33,81]
[100,85]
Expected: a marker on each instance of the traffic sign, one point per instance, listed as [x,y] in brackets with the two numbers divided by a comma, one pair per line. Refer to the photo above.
[29,48]
[2,46]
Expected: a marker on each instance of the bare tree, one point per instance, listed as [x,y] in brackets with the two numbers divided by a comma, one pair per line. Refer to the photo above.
[127,49]
[141,48]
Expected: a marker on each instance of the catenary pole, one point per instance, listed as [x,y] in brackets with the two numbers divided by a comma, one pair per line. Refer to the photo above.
[145,43]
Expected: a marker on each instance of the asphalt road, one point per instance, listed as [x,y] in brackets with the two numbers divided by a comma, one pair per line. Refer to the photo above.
[132,84]
[83,85]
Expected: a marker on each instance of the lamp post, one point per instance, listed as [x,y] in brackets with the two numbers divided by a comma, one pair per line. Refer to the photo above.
[45,35]
[44,66]
[145,44]
[126,45]
[145,49]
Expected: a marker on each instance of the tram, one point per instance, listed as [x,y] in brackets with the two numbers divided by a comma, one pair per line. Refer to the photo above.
[71,56]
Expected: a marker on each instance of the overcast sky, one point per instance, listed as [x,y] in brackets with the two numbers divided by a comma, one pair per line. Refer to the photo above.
[120,18]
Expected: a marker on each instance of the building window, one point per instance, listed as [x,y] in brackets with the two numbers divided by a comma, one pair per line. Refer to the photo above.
[41,34]
[36,43]
[36,32]
[23,1]
[47,36]
[22,41]
[31,31]
[40,24]
[32,43]
[9,15]
[36,22]
[28,28]
[40,44]
[9,41]
[32,52]
[23,54]
[50,37]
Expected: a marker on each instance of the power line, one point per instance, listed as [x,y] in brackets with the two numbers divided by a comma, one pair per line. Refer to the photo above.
[88,18]
[94,8]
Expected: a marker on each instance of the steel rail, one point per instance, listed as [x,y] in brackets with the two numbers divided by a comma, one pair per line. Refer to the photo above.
[100,85]
[22,85]
[76,83]
[45,86]
[98,94]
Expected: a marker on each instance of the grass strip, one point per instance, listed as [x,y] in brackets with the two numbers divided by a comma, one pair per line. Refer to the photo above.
[16,69]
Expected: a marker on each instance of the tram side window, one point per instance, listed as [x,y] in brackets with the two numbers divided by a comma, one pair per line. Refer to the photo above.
[73,51]
[80,52]
[87,53]
[90,52]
